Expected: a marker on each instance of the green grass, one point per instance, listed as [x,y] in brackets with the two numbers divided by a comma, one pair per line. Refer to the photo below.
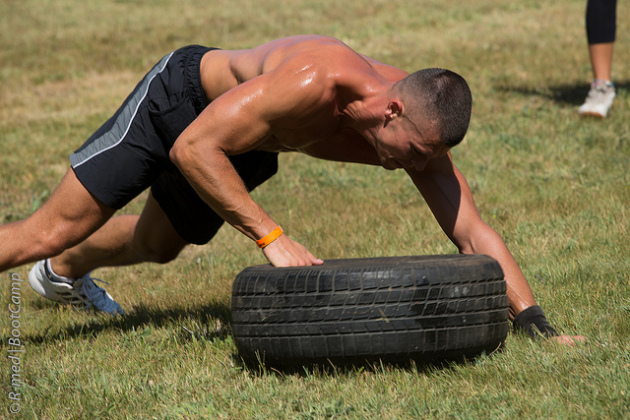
[557,189]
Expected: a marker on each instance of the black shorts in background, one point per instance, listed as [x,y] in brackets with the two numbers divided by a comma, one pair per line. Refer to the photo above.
[129,153]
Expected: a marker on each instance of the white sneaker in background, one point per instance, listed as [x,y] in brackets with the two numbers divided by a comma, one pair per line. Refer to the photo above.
[599,99]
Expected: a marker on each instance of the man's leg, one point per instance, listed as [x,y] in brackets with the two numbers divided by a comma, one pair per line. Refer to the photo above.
[123,240]
[67,218]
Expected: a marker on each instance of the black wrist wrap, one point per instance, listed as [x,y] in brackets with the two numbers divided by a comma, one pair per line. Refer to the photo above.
[533,321]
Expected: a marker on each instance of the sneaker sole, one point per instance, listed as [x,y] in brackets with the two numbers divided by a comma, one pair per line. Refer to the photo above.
[592,114]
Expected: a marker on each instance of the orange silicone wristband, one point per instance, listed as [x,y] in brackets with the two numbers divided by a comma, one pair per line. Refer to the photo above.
[269,238]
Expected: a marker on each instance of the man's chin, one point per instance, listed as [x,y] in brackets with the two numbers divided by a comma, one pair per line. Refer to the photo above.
[391,165]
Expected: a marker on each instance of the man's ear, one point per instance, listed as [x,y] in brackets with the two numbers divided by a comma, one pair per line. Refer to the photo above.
[394,109]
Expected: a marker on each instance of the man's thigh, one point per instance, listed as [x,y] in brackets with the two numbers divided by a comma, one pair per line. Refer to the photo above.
[65,220]
[72,210]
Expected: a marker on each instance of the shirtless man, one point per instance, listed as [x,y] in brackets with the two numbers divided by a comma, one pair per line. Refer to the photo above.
[204,127]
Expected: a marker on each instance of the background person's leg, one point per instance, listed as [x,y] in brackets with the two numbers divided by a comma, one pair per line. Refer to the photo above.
[601,26]
[601,59]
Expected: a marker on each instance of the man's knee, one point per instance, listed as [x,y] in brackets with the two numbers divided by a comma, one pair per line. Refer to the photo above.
[155,239]
[161,253]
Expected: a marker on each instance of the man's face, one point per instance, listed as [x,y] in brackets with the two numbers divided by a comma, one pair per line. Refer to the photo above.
[409,144]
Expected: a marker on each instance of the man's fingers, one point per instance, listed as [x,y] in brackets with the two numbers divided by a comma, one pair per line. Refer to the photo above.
[568,340]
[285,252]
[318,261]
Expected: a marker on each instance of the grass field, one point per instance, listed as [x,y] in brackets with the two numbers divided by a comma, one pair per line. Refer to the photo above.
[556,188]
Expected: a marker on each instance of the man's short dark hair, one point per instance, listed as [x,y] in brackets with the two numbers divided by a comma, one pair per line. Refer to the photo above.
[441,96]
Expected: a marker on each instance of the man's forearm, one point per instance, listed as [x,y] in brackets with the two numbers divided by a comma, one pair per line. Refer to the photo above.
[216,181]
[487,241]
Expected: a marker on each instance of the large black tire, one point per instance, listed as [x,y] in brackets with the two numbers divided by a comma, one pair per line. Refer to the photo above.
[396,309]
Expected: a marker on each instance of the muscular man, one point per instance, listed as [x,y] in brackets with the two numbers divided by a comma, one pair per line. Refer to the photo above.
[204,127]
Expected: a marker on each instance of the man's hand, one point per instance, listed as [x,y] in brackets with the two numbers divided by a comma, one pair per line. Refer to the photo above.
[569,340]
[285,252]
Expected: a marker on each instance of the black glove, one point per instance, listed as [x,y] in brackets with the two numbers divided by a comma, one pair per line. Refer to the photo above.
[533,321]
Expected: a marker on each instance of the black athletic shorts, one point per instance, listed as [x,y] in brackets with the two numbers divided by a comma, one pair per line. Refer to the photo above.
[130,152]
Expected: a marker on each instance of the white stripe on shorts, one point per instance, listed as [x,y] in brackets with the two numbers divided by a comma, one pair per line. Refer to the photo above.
[122,124]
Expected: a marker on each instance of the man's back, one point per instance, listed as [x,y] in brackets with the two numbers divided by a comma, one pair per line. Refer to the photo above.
[298,90]
[301,53]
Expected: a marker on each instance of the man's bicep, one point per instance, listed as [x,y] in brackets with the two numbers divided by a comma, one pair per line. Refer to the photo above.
[233,123]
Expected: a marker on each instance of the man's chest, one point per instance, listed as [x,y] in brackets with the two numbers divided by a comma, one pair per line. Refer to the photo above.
[337,145]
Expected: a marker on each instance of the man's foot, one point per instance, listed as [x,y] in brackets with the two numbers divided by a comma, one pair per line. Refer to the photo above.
[599,99]
[78,292]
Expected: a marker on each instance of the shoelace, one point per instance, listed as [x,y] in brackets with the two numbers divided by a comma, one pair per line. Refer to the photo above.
[102,281]
[87,291]
[598,87]
[601,85]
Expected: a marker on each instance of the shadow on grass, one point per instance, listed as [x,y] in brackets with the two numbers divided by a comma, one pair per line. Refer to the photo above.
[343,368]
[211,321]
[374,365]
[568,94]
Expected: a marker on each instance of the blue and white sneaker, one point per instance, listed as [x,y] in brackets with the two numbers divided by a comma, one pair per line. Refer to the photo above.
[80,292]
